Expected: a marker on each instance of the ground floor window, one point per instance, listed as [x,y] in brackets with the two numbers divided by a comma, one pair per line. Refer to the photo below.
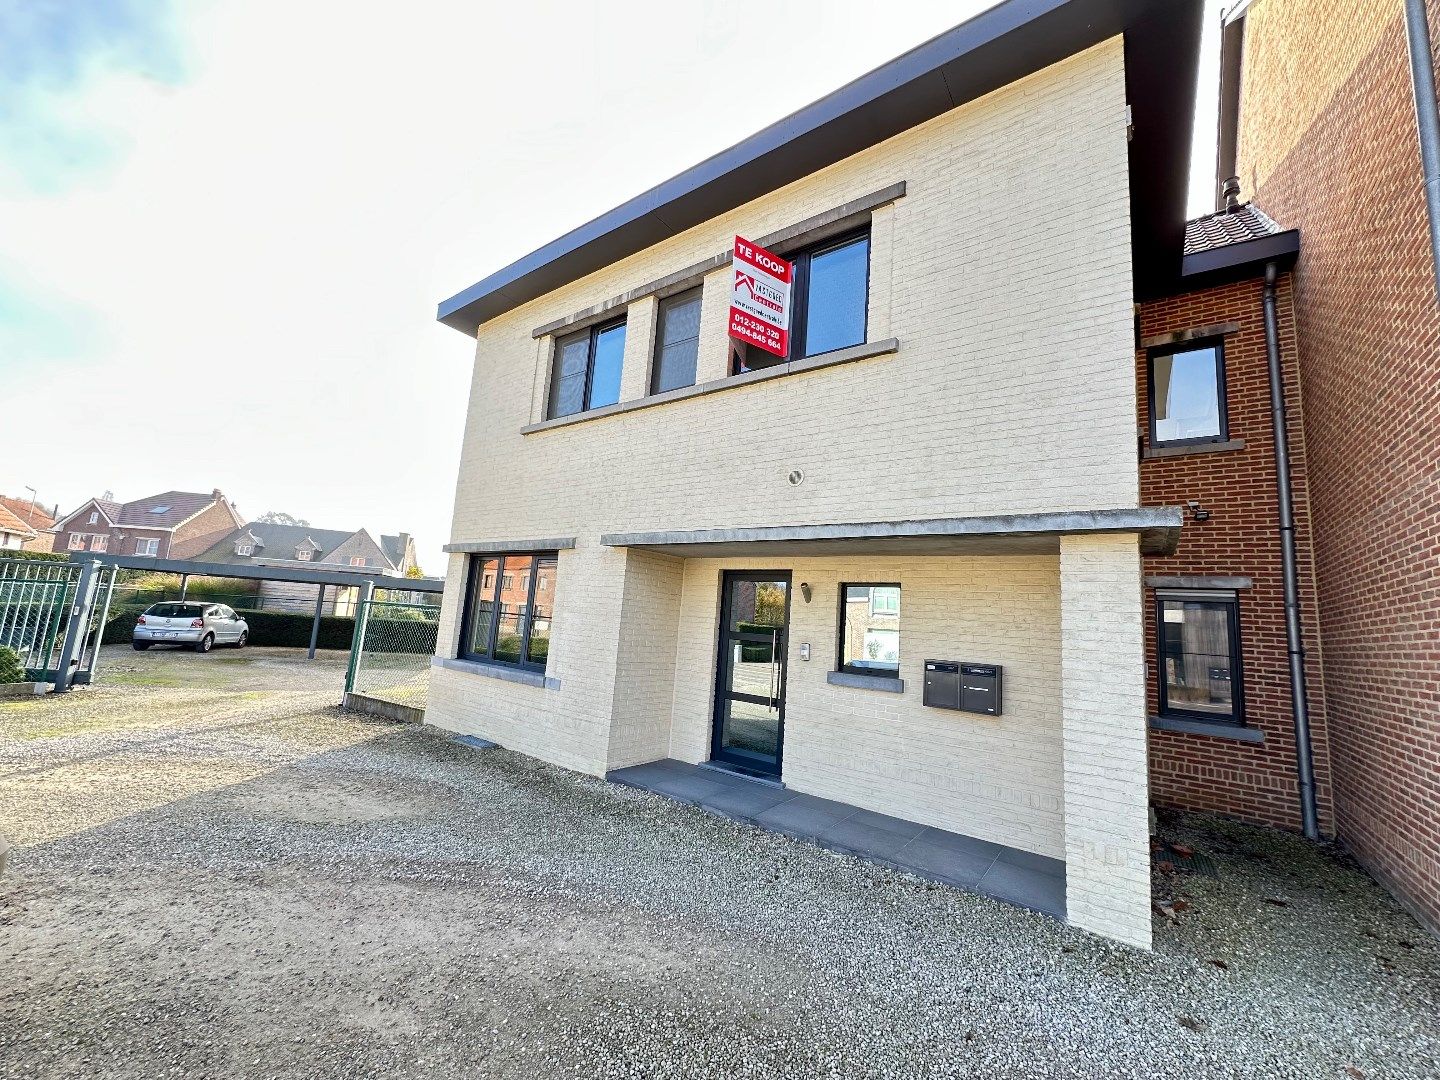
[870,629]
[508,608]
[1199,638]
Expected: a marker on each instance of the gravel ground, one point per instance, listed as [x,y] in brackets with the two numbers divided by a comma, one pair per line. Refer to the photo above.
[218,874]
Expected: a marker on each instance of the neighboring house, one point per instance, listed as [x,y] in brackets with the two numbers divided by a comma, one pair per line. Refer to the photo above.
[37,518]
[14,532]
[670,545]
[1319,123]
[259,543]
[171,525]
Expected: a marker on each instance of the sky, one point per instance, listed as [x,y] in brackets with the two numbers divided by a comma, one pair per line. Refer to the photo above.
[225,224]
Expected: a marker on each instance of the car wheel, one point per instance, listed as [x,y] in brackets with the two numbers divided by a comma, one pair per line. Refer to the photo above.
[244,637]
[205,643]
[140,646]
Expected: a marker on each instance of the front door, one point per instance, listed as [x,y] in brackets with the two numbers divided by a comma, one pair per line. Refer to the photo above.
[750,673]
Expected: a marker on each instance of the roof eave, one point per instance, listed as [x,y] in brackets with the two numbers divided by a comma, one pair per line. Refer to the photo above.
[1235,261]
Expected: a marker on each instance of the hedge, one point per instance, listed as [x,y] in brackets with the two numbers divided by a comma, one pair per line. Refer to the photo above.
[37,556]
[755,652]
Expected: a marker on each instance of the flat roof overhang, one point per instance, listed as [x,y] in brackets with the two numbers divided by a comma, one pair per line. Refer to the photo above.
[1001,534]
[997,47]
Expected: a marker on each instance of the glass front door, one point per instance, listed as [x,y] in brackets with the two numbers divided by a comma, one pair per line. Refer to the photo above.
[750,673]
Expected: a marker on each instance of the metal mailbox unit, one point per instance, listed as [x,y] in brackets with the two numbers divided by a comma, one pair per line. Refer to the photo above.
[965,687]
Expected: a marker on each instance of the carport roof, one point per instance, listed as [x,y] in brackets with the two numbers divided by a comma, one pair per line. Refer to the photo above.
[997,47]
[1000,534]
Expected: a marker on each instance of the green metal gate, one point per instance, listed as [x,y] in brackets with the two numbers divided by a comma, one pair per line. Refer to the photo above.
[50,617]
[390,655]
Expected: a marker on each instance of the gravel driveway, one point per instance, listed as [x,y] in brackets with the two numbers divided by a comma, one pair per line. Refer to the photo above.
[218,874]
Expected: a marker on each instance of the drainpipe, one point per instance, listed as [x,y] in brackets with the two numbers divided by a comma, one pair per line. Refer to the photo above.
[1427,118]
[1304,759]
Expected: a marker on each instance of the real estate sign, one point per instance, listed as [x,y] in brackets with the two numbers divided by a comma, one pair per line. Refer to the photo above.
[760,298]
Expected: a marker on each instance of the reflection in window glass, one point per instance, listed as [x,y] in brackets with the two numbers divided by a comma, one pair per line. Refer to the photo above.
[1187,395]
[870,629]
[677,342]
[836,297]
[605,376]
[1198,650]
[539,648]
[482,608]
[572,359]
[507,613]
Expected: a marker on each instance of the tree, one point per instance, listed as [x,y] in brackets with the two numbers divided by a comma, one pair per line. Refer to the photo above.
[278,517]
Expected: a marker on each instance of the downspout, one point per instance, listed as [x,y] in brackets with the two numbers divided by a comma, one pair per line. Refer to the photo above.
[1304,758]
[1427,119]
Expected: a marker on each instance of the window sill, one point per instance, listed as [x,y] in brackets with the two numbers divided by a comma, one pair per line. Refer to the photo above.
[1186,449]
[497,671]
[884,683]
[1216,729]
[863,351]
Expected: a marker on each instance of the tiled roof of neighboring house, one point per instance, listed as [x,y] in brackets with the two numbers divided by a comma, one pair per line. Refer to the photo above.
[279,542]
[163,510]
[10,522]
[36,517]
[1245,222]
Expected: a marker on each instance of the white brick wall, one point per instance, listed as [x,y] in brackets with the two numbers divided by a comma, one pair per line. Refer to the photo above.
[1107,833]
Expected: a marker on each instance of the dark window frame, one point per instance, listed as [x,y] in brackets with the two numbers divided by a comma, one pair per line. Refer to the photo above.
[594,333]
[657,350]
[840,664]
[1236,719]
[467,613]
[1158,351]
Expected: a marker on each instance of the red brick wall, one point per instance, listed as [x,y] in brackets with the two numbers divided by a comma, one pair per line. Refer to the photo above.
[1204,772]
[1328,145]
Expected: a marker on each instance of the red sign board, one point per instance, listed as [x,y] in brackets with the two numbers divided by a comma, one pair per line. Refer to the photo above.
[760,298]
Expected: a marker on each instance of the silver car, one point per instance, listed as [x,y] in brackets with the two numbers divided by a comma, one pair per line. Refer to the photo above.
[197,626]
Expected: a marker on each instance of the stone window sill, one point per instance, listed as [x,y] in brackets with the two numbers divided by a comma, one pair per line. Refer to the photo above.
[884,683]
[1208,727]
[497,671]
[794,367]
[1193,448]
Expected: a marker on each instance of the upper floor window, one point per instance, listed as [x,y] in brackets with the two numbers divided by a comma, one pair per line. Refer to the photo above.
[507,611]
[587,369]
[1199,638]
[358,560]
[677,342]
[870,629]
[100,542]
[147,545]
[76,542]
[94,517]
[303,554]
[245,549]
[1187,393]
[829,301]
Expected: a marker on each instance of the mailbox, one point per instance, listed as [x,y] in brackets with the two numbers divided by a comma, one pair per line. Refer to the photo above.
[953,684]
[980,686]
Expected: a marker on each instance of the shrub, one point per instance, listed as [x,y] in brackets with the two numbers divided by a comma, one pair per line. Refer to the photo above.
[11,670]
[37,556]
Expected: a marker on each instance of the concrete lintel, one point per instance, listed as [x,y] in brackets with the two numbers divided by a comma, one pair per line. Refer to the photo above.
[794,367]
[1194,333]
[1198,581]
[1156,524]
[503,547]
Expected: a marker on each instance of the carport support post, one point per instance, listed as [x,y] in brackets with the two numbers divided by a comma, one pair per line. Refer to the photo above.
[79,624]
[315,626]
[184,585]
[357,640]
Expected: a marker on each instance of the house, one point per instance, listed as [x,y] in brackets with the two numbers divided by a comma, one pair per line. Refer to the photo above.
[36,518]
[671,545]
[170,525]
[14,532]
[259,543]
[1318,121]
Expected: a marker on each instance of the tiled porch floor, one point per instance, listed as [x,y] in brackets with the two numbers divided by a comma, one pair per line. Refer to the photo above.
[1017,877]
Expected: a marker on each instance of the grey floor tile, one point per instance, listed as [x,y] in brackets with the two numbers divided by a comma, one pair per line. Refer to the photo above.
[804,815]
[858,838]
[950,841]
[944,864]
[687,788]
[1025,887]
[641,776]
[1028,860]
[746,801]
[899,826]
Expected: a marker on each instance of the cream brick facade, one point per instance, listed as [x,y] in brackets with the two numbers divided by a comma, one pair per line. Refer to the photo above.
[1010,392]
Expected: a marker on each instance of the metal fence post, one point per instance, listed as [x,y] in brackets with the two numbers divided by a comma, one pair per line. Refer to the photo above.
[104,615]
[357,639]
[79,626]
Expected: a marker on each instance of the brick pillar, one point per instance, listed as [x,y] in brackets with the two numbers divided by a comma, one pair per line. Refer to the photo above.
[1102,666]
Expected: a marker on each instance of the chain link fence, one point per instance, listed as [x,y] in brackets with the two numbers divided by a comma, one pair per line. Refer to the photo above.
[390,660]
